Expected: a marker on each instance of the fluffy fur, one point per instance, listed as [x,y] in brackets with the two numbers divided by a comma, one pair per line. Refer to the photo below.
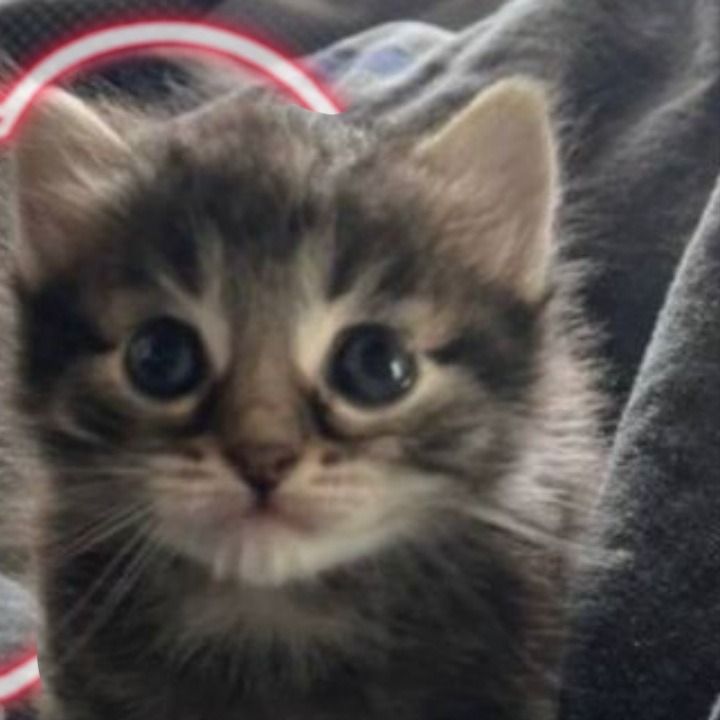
[413,565]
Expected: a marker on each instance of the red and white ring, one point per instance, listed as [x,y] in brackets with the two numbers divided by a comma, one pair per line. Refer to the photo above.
[19,679]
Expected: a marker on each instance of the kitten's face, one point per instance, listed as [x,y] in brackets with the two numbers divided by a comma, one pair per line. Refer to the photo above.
[276,349]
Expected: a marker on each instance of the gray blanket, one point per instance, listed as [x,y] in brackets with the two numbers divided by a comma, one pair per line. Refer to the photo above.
[637,93]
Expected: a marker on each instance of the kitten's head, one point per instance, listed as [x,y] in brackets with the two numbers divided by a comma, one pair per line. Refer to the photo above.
[278,343]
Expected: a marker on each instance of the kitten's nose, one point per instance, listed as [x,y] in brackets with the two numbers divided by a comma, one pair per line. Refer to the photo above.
[264,466]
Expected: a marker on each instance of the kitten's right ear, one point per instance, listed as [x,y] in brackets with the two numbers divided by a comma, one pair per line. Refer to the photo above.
[62,159]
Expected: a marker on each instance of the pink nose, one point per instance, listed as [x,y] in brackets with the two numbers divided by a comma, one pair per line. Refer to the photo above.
[264,466]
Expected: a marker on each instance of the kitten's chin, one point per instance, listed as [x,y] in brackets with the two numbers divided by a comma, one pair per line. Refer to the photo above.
[272,547]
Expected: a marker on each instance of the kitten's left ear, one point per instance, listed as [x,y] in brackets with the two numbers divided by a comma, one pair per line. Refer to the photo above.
[62,160]
[499,152]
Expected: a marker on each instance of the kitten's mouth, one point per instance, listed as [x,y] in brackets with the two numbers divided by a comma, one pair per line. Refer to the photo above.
[286,536]
[264,543]
[264,515]
[268,513]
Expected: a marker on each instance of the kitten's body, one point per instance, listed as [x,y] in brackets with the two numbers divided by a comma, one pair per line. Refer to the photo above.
[421,573]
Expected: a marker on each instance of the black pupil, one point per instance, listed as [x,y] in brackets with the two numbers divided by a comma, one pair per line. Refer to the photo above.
[164,359]
[371,366]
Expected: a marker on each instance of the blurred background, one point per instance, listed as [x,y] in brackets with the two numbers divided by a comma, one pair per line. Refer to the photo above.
[300,25]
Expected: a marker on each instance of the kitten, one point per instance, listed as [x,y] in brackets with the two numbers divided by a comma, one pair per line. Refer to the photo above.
[316,429]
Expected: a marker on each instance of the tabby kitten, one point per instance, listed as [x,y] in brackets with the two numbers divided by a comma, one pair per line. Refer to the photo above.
[315,430]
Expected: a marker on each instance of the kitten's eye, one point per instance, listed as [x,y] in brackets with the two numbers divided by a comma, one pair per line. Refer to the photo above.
[371,366]
[165,359]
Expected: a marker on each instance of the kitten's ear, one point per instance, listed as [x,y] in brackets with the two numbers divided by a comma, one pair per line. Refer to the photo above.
[61,159]
[500,152]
